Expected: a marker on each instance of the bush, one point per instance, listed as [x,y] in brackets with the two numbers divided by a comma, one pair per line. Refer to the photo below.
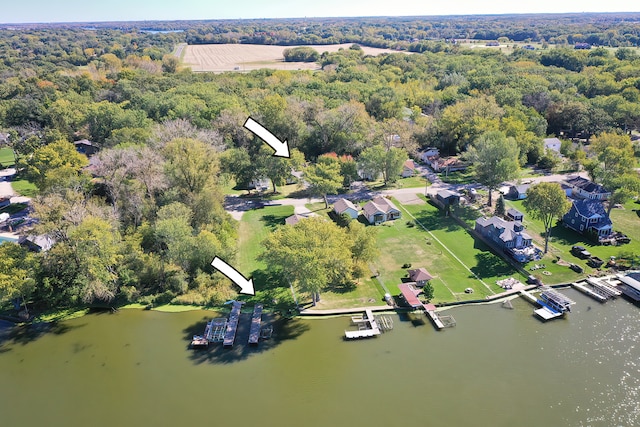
[301,54]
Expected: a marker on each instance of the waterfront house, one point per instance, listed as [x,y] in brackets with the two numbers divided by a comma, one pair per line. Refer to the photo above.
[379,210]
[586,189]
[509,236]
[518,192]
[420,276]
[342,206]
[588,216]
[408,168]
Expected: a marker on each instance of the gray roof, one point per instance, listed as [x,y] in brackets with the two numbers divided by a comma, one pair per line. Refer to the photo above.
[589,208]
[294,219]
[586,185]
[379,204]
[341,206]
[507,232]
[514,212]
[445,194]
[520,189]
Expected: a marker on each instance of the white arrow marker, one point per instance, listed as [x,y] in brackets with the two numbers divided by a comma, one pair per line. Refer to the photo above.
[282,148]
[246,285]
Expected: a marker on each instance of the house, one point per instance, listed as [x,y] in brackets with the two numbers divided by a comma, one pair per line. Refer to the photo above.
[588,216]
[582,46]
[585,189]
[515,215]
[294,219]
[552,144]
[379,210]
[39,243]
[518,192]
[448,198]
[446,164]
[408,168]
[86,147]
[420,276]
[509,236]
[342,206]
[428,152]
[492,43]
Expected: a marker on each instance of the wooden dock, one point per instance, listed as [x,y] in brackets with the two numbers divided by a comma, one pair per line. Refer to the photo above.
[256,322]
[232,325]
[529,296]
[604,288]
[435,318]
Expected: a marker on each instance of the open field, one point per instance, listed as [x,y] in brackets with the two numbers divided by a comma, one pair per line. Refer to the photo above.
[247,57]
[448,252]
[6,157]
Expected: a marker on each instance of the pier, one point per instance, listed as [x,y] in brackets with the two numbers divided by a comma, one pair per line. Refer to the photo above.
[410,295]
[590,292]
[232,325]
[256,322]
[551,303]
[367,326]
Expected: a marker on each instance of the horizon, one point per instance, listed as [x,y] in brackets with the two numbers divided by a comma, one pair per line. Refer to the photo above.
[42,12]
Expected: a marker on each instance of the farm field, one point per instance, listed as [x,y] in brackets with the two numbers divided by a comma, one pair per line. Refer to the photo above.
[246,57]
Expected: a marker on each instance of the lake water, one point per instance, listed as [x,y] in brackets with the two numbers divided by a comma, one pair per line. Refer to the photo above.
[497,367]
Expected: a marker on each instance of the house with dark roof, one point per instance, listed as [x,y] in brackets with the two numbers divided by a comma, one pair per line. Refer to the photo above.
[588,216]
[420,276]
[518,192]
[345,206]
[586,189]
[515,214]
[509,236]
[408,168]
[86,147]
[379,210]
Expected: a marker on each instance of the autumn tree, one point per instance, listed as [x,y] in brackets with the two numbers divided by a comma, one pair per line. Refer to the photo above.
[495,159]
[53,165]
[546,202]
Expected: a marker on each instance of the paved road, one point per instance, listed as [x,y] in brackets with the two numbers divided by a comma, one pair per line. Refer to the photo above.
[236,206]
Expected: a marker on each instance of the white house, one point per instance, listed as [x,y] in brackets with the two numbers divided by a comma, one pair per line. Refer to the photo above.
[428,152]
[552,144]
[345,206]
[380,210]
[585,189]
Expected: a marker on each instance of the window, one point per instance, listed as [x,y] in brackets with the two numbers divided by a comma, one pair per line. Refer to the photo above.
[581,227]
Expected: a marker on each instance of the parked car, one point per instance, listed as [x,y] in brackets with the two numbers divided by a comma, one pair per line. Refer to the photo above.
[576,268]
[595,262]
[580,252]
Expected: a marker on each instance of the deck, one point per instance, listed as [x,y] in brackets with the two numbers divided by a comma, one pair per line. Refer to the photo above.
[590,292]
[232,325]
[547,314]
[256,322]
[367,326]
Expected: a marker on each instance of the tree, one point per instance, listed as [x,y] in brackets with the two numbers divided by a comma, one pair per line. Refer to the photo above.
[623,189]
[191,164]
[278,169]
[17,273]
[427,291]
[364,245]
[324,178]
[614,155]
[377,160]
[546,202]
[53,164]
[495,158]
[500,210]
[310,255]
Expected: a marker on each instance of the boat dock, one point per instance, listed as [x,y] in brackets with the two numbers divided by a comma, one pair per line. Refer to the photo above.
[590,292]
[232,325]
[528,296]
[551,303]
[410,295]
[367,326]
[256,322]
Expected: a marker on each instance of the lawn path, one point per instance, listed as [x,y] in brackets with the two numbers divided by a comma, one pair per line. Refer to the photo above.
[447,249]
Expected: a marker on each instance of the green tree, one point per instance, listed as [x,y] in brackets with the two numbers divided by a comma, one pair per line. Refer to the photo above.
[495,158]
[191,164]
[278,169]
[546,202]
[364,246]
[18,270]
[427,291]
[614,155]
[53,165]
[623,189]
[500,208]
[377,160]
[324,178]
[311,255]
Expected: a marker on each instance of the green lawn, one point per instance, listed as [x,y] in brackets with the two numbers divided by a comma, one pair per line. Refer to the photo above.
[400,244]
[6,157]
[562,239]
[254,227]
[459,177]
[24,188]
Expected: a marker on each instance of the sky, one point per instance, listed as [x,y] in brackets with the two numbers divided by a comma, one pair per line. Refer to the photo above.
[31,11]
